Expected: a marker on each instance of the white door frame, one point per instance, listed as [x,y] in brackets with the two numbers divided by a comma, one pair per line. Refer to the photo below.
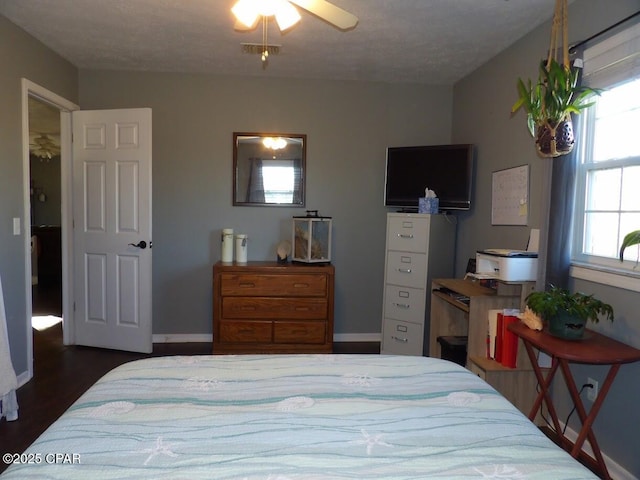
[65,106]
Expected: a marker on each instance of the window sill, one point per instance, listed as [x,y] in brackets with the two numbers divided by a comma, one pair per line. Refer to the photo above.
[628,280]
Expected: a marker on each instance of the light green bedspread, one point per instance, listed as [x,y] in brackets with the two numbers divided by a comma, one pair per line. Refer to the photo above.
[281,417]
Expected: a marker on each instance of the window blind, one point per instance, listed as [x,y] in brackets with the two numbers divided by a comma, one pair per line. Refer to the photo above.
[613,60]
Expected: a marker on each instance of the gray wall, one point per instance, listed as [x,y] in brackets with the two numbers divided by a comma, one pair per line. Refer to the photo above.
[348,126]
[22,56]
[481,114]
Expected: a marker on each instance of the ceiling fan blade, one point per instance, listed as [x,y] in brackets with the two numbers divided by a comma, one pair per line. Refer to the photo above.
[329,13]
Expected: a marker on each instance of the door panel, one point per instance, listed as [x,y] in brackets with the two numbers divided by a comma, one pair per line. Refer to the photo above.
[112,182]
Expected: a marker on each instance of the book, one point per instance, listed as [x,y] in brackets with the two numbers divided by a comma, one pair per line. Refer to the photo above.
[509,339]
[499,332]
[492,331]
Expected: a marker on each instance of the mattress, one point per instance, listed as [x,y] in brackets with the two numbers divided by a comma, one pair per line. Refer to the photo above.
[280,417]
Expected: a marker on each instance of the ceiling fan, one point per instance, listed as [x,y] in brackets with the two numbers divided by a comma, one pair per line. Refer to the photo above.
[248,13]
[44,147]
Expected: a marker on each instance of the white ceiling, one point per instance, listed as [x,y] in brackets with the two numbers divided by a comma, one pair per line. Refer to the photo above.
[423,41]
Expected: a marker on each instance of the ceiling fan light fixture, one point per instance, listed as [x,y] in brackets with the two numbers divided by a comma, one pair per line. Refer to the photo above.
[274,143]
[248,11]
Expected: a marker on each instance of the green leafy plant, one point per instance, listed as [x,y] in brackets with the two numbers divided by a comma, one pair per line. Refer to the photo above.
[553,98]
[551,302]
[631,238]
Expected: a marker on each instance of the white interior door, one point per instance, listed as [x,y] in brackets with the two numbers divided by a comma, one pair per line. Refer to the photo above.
[112,228]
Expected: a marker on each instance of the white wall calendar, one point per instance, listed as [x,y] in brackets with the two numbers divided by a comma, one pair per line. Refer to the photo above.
[510,196]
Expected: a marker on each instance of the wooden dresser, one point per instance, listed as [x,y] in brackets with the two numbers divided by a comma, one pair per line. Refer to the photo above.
[267,307]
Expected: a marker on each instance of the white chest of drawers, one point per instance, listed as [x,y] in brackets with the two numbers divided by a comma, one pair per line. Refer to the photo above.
[419,247]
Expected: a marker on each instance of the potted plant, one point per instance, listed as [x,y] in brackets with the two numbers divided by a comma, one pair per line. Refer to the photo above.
[549,104]
[566,313]
[631,238]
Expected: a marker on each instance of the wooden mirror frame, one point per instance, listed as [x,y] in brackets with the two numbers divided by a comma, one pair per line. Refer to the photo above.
[249,155]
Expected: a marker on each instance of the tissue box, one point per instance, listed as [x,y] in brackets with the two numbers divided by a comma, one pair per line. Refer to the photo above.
[428,205]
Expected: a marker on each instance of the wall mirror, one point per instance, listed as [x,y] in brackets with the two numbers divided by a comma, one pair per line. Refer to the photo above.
[269,169]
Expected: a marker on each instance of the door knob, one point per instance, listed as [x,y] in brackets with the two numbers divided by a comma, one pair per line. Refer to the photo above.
[141,244]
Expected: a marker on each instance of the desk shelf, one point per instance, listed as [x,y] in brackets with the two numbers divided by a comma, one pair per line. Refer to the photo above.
[450,316]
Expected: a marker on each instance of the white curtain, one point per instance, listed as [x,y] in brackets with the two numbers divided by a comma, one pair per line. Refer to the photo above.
[8,381]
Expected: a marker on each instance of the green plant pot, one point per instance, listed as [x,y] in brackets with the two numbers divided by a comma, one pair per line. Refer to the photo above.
[566,326]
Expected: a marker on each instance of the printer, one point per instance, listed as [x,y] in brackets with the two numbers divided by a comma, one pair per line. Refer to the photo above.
[507,265]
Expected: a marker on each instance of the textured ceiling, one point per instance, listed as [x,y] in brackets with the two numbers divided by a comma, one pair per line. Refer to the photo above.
[422,41]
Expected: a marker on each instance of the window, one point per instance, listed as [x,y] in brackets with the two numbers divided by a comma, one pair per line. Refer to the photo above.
[278,182]
[608,176]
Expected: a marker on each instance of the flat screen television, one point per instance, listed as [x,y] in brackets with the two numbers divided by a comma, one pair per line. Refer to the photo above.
[445,169]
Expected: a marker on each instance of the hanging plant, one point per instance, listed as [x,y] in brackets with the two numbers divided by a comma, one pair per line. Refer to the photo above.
[556,95]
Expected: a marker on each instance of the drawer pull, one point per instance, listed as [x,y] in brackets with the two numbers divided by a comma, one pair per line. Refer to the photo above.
[248,308]
[302,309]
[404,270]
[301,285]
[405,235]
[247,284]
[401,305]
[397,339]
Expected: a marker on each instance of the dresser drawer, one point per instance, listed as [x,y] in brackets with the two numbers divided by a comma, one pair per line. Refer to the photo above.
[408,234]
[246,331]
[248,284]
[299,332]
[404,303]
[274,308]
[405,268]
[402,338]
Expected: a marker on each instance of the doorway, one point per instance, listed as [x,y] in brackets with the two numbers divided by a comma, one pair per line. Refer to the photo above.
[47,203]
[45,196]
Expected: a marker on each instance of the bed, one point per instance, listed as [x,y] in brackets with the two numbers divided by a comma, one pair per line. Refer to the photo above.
[285,417]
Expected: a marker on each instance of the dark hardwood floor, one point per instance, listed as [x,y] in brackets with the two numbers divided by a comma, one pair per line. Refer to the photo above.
[62,373]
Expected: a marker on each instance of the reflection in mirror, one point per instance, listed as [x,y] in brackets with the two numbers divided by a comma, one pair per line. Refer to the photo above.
[268,169]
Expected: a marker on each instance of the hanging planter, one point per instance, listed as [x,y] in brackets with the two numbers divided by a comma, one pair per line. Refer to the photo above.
[556,95]
[555,140]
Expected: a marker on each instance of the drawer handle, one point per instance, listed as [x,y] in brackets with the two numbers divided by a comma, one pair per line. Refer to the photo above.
[404,270]
[401,305]
[302,309]
[397,339]
[245,330]
[405,235]
[247,284]
[301,285]
[248,308]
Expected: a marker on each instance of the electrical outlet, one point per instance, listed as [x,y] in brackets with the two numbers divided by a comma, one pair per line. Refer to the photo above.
[592,393]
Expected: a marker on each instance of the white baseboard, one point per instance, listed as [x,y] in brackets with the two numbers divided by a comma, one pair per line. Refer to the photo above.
[23,378]
[183,338]
[208,337]
[615,470]
[356,337]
